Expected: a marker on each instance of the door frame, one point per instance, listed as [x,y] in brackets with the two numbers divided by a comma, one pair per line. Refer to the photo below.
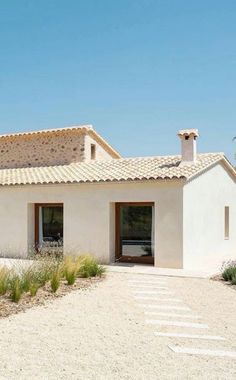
[118,256]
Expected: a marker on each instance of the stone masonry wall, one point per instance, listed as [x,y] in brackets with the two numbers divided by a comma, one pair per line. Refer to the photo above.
[41,149]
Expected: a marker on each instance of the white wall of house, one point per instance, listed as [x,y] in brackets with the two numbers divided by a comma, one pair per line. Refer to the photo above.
[89,217]
[101,153]
[205,198]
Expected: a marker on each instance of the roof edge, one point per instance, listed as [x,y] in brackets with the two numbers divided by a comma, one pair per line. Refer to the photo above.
[84,128]
[223,159]
[178,180]
[229,166]
[92,133]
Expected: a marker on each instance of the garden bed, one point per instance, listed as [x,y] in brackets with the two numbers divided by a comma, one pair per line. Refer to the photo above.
[44,294]
[44,281]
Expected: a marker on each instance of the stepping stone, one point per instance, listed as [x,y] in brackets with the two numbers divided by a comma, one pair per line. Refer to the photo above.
[172,314]
[165,307]
[157,299]
[198,351]
[152,292]
[189,336]
[147,282]
[177,323]
[149,287]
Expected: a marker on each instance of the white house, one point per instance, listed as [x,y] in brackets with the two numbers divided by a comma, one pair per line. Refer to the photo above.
[69,188]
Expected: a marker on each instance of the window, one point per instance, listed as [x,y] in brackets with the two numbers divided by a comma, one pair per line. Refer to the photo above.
[226,222]
[93,151]
[48,226]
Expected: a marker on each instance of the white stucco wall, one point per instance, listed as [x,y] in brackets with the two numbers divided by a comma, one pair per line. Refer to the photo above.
[204,201]
[89,217]
[101,153]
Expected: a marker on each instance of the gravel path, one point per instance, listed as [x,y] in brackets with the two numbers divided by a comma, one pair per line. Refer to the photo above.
[101,333]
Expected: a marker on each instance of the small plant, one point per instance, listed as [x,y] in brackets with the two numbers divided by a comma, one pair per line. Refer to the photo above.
[34,287]
[69,270]
[16,289]
[44,270]
[233,281]
[55,280]
[70,275]
[4,280]
[26,280]
[100,271]
[90,268]
[229,272]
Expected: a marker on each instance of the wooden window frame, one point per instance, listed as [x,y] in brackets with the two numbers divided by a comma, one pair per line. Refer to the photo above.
[36,219]
[118,256]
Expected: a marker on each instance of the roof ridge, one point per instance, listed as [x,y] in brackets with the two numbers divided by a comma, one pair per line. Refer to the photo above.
[113,170]
[102,162]
[85,127]
[164,156]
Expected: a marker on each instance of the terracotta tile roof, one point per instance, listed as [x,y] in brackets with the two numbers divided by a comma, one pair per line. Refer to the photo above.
[124,169]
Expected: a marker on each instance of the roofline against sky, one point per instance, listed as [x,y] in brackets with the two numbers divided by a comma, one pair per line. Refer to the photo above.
[83,129]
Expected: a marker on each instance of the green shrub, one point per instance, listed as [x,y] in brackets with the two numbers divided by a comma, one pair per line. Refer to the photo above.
[26,280]
[34,287]
[16,289]
[66,263]
[229,273]
[55,280]
[69,269]
[4,280]
[233,280]
[44,270]
[70,275]
[38,273]
[90,268]
[226,274]
[42,277]
[100,270]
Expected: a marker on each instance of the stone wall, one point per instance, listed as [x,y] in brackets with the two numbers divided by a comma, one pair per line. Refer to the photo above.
[51,148]
[41,149]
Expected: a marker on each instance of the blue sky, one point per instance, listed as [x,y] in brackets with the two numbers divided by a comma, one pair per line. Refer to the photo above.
[138,70]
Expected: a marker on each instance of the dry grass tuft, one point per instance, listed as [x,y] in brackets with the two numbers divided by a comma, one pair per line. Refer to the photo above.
[45,270]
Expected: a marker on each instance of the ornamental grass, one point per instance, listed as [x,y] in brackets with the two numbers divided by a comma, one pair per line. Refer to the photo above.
[35,274]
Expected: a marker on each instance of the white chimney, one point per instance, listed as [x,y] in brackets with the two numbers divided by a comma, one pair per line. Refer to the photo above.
[188,146]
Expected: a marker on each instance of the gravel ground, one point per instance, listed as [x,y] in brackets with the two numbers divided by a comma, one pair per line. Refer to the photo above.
[100,333]
[43,296]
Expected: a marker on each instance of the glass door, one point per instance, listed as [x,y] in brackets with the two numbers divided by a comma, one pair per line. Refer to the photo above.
[135,232]
[49,227]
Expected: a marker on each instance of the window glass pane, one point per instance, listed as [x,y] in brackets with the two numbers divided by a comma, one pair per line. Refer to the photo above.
[51,225]
[136,230]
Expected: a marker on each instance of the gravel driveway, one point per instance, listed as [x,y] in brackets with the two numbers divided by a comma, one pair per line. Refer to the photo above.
[102,333]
